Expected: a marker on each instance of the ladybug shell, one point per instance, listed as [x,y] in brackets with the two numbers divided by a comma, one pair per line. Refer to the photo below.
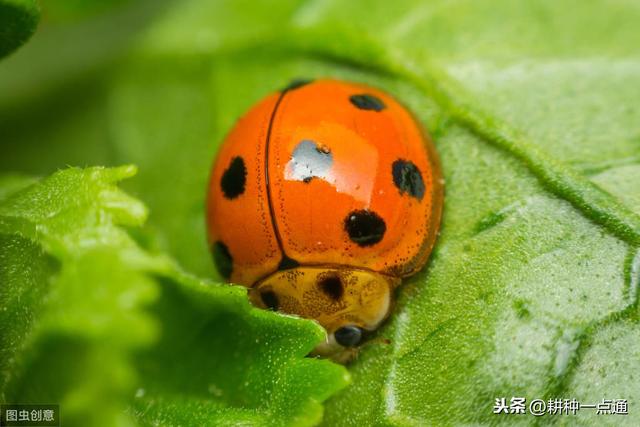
[326,173]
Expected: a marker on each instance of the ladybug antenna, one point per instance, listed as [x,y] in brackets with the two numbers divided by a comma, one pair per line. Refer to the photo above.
[376,341]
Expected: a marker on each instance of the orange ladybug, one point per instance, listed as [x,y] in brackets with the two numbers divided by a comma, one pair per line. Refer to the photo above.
[321,199]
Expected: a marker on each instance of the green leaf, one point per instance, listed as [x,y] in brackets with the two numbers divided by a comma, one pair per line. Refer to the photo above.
[45,77]
[90,320]
[18,20]
[536,263]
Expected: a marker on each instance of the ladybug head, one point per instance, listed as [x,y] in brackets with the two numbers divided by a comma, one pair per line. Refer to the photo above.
[348,302]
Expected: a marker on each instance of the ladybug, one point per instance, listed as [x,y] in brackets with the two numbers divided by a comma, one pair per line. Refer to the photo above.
[321,199]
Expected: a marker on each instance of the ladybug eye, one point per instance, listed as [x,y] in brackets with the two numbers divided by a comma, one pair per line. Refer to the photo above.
[348,336]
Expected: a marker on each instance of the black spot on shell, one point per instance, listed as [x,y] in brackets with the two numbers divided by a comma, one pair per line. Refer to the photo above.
[234,178]
[270,299]
[296,83]
[288,263]
[222,258]
[331,285]
[364,227]
[367,102]
[408,179]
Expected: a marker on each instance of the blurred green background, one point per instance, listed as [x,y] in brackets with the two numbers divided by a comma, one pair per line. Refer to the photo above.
[532,287]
